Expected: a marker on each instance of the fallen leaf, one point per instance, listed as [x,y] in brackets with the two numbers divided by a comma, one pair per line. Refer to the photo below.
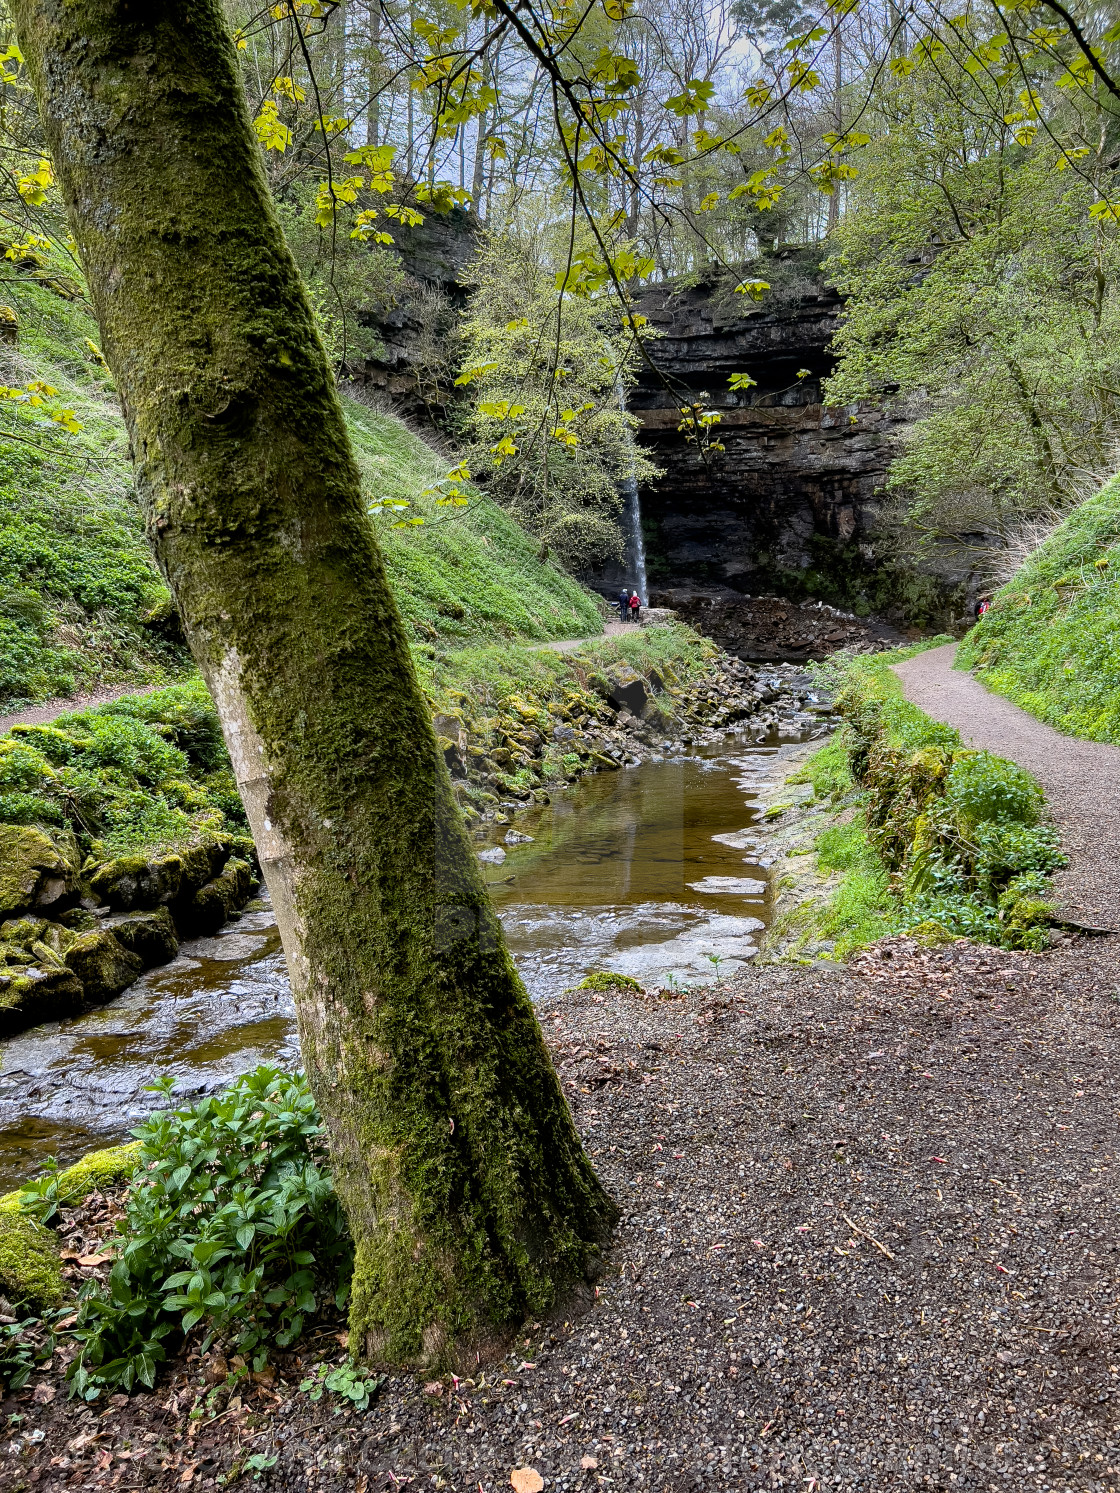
[433,1387]
[44,1394]
[87,1261]
[588,1463]
[188,1473]
[526,1480]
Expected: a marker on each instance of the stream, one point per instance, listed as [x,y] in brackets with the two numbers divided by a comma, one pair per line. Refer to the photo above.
[652,871]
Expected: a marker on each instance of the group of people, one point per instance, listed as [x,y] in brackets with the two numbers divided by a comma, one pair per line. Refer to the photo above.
[629,606]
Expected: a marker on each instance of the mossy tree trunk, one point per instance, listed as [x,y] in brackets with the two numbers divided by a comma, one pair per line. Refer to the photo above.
[470,1198]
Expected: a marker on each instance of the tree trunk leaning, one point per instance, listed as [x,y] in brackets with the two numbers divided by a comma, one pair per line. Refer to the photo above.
[469,1196]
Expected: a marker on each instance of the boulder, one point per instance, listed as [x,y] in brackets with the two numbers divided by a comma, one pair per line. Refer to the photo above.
[103,965]
[30,1267]
[32,996]
[134,881]
[212,904]
[150,935]
[36,873]
[627,689]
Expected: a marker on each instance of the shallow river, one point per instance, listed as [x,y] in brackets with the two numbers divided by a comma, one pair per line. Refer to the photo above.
[648,871]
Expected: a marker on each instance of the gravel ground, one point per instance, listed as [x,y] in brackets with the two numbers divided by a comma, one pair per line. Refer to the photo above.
[1081,779]
[868,1241]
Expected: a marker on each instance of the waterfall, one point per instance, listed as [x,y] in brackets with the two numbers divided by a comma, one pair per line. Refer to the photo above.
[635,543]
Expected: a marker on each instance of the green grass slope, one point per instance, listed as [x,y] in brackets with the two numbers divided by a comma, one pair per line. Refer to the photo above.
[82,605]
[1051,641]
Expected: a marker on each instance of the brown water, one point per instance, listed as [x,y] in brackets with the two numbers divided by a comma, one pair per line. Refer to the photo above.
[622,873]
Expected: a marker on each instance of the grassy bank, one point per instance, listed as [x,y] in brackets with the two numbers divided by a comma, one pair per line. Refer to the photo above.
[82,605]
[926,835]
[1051,641]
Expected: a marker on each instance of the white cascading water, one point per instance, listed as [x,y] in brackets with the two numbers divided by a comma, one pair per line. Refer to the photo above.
[635,542]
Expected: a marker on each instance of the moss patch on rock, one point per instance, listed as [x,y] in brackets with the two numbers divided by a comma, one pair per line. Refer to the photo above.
[30,1268]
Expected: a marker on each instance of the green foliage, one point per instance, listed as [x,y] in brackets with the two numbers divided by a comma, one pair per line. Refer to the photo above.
[828,772]
[347,1381]
[1051,640]
[56,1187]
[141,771]
[77,582]
[467,574]
[231,1226]
[543,376]
[26,1344]
[982,295]
[942,838]
[983,789]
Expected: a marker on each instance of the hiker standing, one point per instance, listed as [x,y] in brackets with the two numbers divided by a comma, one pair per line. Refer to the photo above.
[635,606]
[623,605]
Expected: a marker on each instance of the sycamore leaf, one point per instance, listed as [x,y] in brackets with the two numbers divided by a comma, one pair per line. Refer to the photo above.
[756,289]
[742,381]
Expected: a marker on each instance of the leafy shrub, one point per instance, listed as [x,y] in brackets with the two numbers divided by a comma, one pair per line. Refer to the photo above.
[143,771]
[232,1227]
[986,789]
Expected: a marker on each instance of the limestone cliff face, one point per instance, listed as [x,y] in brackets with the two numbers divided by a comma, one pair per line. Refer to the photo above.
[790,504]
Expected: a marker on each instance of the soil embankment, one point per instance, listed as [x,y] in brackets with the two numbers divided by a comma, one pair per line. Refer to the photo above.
[1081,779]
[868,1241]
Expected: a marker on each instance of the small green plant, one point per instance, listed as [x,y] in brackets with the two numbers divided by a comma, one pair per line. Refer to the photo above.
[715,960]
[257,1464]
[232,1228]
[24,1345]
[347,1380]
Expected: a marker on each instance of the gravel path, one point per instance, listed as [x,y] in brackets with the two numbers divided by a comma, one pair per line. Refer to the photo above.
[869,1236]
[1081,779]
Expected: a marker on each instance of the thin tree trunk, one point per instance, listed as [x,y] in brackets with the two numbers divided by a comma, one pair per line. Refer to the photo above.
[470,1199]
[837,119]
[373,112]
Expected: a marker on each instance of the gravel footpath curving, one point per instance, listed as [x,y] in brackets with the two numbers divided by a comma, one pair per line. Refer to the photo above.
[1081,779]
[869,1242]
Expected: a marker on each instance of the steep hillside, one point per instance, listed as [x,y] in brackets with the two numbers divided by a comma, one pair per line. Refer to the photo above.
[1051,641]
[81,603]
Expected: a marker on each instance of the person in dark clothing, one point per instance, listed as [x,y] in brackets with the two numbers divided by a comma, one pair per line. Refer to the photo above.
[623,605]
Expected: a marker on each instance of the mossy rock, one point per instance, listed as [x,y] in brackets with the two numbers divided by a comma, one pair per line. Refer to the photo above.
[35,875]
[212,904]
[30,1268]
[31,997]
[149,935]
[103,965]
[605,979]
[137,881]
[93,1173]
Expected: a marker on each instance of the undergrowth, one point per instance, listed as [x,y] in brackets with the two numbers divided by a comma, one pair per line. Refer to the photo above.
[1051,640]
[143,771]
[232,1232]
[82,605]
[936,837]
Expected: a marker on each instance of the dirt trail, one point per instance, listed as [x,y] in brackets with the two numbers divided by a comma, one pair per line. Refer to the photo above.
[49,710]
[1081,779]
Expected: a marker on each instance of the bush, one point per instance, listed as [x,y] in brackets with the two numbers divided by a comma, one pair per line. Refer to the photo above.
[986,789]
[232,1229]
[144,771]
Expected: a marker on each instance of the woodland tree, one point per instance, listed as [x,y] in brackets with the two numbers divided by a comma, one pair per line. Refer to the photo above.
[469,1197]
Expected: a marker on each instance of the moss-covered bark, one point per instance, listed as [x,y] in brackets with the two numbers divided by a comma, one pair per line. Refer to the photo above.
[469,1195]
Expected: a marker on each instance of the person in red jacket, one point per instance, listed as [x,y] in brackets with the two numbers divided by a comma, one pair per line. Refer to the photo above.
[635,606]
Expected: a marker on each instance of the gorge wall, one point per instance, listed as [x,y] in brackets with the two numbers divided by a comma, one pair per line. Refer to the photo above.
[790,505]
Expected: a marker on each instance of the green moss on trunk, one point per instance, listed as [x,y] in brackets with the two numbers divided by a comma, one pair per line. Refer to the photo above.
[469,1196]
